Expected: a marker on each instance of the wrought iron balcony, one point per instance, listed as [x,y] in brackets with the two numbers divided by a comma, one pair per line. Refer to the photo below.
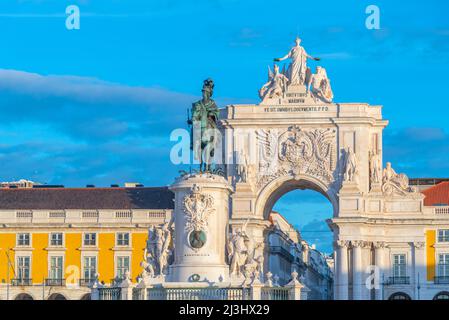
[398,280]
[441,280]
[55,282]
[21,282]
[283,252]
[86,282]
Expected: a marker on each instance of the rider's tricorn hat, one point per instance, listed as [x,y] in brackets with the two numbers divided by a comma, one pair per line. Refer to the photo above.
[208,85]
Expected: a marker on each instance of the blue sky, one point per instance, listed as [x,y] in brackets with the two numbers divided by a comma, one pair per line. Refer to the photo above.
[97,105]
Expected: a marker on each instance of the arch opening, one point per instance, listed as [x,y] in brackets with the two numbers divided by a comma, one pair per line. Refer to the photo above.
[56,296]
[399,296]
[300,238]
[271,193]
[23,296]
[443,295]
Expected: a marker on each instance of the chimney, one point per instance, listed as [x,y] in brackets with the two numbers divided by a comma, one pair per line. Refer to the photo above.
[133,185]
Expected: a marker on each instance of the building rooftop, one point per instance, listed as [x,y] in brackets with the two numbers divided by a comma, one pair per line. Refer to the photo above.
[437,195]
[86,198]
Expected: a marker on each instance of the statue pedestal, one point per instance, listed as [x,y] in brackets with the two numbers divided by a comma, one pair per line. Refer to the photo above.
[244,187]
[294,94]
[350,187]
[201,217]
[376,188]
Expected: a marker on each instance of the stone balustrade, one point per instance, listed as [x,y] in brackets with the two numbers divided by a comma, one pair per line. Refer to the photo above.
[142,216]
[201,291]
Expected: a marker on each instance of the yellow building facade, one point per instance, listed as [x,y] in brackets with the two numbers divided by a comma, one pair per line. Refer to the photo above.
[58,253]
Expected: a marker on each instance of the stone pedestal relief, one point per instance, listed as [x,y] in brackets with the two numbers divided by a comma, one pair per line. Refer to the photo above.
[201,218]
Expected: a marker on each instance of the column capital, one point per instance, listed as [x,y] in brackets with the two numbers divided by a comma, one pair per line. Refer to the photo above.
[360,244]
[341,244]
[419,245]
[379,244]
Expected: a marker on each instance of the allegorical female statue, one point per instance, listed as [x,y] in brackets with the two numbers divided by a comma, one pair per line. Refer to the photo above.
[298,67]
[204,132]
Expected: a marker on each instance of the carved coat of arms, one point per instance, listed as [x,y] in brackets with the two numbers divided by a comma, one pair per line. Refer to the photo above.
[198,207]
[295,152]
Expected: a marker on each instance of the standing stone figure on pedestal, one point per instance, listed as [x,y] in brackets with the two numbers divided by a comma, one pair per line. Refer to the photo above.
[375,171]
[158,251]
[242,167]
[236,252]
[350,166]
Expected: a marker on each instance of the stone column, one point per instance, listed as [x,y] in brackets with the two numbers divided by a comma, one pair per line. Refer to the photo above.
[357,270]
[201,216]
[342,271]
[379,254]
[420,268]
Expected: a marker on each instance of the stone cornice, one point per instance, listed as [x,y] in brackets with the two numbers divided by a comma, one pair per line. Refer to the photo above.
[391,221]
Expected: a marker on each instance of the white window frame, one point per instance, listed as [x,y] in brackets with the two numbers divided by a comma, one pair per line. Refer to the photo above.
[50,238]
[23,245]
[123,245]
[83,265]
[400,251]
[444,236]
[117,257]
[90,245]
[446,263]
[17,266]
[62,256]
[406,264]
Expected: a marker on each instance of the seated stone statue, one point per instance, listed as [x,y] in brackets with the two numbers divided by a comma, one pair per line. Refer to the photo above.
[321,86]
[275,86]
[393,182]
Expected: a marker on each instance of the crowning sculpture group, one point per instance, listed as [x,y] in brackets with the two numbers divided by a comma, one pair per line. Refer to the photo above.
[297,74]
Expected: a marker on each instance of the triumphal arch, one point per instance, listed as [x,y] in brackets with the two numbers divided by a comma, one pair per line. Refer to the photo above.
[297,137]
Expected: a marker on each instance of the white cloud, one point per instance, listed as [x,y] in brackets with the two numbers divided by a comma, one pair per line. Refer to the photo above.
[85,88]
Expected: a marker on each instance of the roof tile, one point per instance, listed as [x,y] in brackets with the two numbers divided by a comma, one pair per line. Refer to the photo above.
[86,198]
[437,195]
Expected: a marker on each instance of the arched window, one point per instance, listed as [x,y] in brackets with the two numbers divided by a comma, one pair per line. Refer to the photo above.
[56,296]
[23,296]
[400,296]
[443,295]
